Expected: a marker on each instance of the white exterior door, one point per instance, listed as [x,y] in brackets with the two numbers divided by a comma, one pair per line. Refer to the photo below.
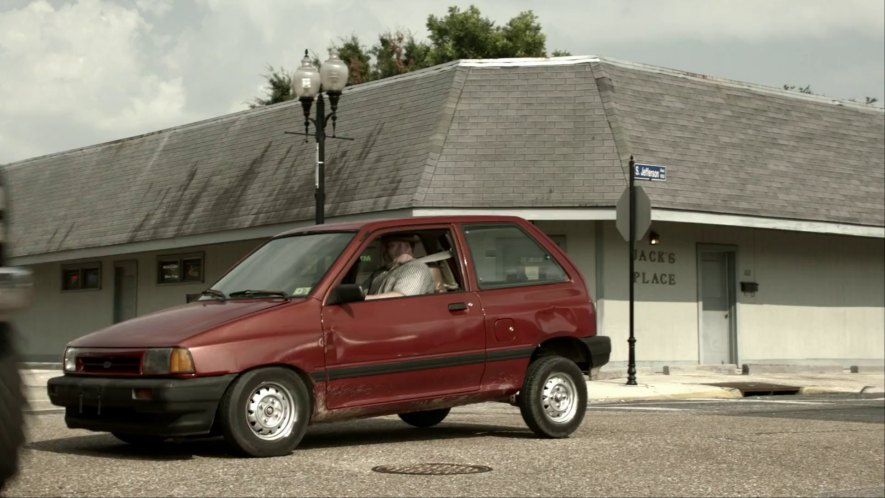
[716,296]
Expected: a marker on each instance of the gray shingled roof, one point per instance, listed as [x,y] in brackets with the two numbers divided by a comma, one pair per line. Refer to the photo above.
[472,134]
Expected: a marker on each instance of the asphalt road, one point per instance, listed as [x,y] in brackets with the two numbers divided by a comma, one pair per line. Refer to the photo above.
[777,446]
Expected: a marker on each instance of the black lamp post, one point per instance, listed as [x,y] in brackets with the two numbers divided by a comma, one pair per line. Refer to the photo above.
[310,84]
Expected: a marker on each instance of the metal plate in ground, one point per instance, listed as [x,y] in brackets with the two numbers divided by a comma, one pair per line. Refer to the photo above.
[758,388]
[432,469]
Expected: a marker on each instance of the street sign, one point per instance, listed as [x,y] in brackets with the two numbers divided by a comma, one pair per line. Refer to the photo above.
[643,214]
[650,172]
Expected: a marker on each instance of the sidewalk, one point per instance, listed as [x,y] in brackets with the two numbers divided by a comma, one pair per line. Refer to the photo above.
[611,386]
[696,383]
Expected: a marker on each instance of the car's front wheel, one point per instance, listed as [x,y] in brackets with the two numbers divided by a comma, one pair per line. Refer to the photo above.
[265,412]
[553,398]
[427,418]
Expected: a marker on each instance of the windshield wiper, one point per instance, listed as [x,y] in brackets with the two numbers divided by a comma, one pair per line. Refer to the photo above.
[259,293]
[214,293]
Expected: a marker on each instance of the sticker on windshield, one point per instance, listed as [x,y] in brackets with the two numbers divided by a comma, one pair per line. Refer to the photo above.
[301,291]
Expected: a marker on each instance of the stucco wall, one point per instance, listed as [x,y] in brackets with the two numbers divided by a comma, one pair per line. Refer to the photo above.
[57,317]
[821,298]
[665,309]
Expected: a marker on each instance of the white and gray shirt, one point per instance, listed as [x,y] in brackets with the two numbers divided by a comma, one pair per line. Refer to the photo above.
[411,278]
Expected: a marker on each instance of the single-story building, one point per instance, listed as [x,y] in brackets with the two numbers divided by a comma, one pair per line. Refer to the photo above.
[770,224]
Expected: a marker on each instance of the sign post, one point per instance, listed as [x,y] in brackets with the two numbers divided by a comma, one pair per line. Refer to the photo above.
[633,221]
[631,358]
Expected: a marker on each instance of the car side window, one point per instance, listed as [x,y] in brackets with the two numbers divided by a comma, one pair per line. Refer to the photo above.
[505,256]
[369,264]
[432,247]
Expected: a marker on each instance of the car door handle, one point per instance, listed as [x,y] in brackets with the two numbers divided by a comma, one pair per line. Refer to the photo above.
[457,306]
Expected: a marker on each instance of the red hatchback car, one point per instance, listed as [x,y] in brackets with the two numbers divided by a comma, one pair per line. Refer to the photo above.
[288,338]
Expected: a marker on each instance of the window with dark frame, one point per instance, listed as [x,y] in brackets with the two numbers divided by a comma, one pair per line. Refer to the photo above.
[505,256]
[81,276]
[180,268]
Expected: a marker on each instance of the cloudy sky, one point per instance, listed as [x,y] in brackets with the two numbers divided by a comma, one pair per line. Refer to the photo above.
[81,72]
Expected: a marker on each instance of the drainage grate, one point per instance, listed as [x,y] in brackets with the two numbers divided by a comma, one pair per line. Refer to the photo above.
[432,469]
[758,388]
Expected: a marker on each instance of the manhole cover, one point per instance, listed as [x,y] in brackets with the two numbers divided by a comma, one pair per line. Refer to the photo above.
[432,469]
[758,388]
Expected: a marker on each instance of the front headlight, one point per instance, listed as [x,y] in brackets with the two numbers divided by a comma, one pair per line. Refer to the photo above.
[162,361]
[71,359]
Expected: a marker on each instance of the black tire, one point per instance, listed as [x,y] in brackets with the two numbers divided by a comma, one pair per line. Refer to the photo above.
[265,412]
[553,399]
[12,402]
[142,440]
[427,418]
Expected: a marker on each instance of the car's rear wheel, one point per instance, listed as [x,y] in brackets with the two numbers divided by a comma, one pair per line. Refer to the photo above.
[427,418]
[265,412]
[553,399]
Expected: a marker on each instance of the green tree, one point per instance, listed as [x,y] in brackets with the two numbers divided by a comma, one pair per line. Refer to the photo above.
[357,58]
[462,35]
[398,53]
[807,90]
[523,37]
[279,88]
[802,89]
[456,35]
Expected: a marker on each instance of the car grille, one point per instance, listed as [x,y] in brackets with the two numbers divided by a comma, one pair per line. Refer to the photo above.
[109,364]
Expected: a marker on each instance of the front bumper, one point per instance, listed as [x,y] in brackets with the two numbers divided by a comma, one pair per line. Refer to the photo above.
[165,407]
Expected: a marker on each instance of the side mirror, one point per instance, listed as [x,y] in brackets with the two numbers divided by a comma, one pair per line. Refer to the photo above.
[346,293]
[16,288]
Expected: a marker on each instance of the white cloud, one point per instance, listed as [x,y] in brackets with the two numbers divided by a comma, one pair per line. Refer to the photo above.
[83,61]
[154,7]
[702,20]
[79,72]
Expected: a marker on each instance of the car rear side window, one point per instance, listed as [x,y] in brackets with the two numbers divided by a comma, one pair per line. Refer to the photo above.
[506,256]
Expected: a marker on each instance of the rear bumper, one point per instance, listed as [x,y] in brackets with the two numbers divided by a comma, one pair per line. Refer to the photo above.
[173,407]
[600,347]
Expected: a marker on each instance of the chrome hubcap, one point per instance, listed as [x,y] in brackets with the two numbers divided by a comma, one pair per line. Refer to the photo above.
[270,412]
[559,398]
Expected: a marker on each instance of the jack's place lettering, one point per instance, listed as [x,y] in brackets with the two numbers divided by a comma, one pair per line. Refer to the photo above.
[654,256]
[654,278]
[641,277]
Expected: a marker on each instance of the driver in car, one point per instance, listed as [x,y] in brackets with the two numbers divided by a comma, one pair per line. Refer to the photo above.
[405,276]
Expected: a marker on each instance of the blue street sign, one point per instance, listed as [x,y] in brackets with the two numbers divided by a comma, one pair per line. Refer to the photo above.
[650,172]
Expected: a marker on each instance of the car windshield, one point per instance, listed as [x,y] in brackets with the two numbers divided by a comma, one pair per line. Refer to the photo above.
[284,267]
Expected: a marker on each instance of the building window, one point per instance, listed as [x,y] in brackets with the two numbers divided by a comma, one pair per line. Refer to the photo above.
[175,268]
[81,276]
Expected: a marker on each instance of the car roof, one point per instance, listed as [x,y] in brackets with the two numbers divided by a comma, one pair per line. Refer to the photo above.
[378,223]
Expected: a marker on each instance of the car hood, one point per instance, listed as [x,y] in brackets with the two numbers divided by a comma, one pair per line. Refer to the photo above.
[171,326]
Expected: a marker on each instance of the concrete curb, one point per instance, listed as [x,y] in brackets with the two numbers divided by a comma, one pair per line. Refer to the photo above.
[614,391]
[770,368]
[840,390]
[40,365]
[725,393]
[43,411]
